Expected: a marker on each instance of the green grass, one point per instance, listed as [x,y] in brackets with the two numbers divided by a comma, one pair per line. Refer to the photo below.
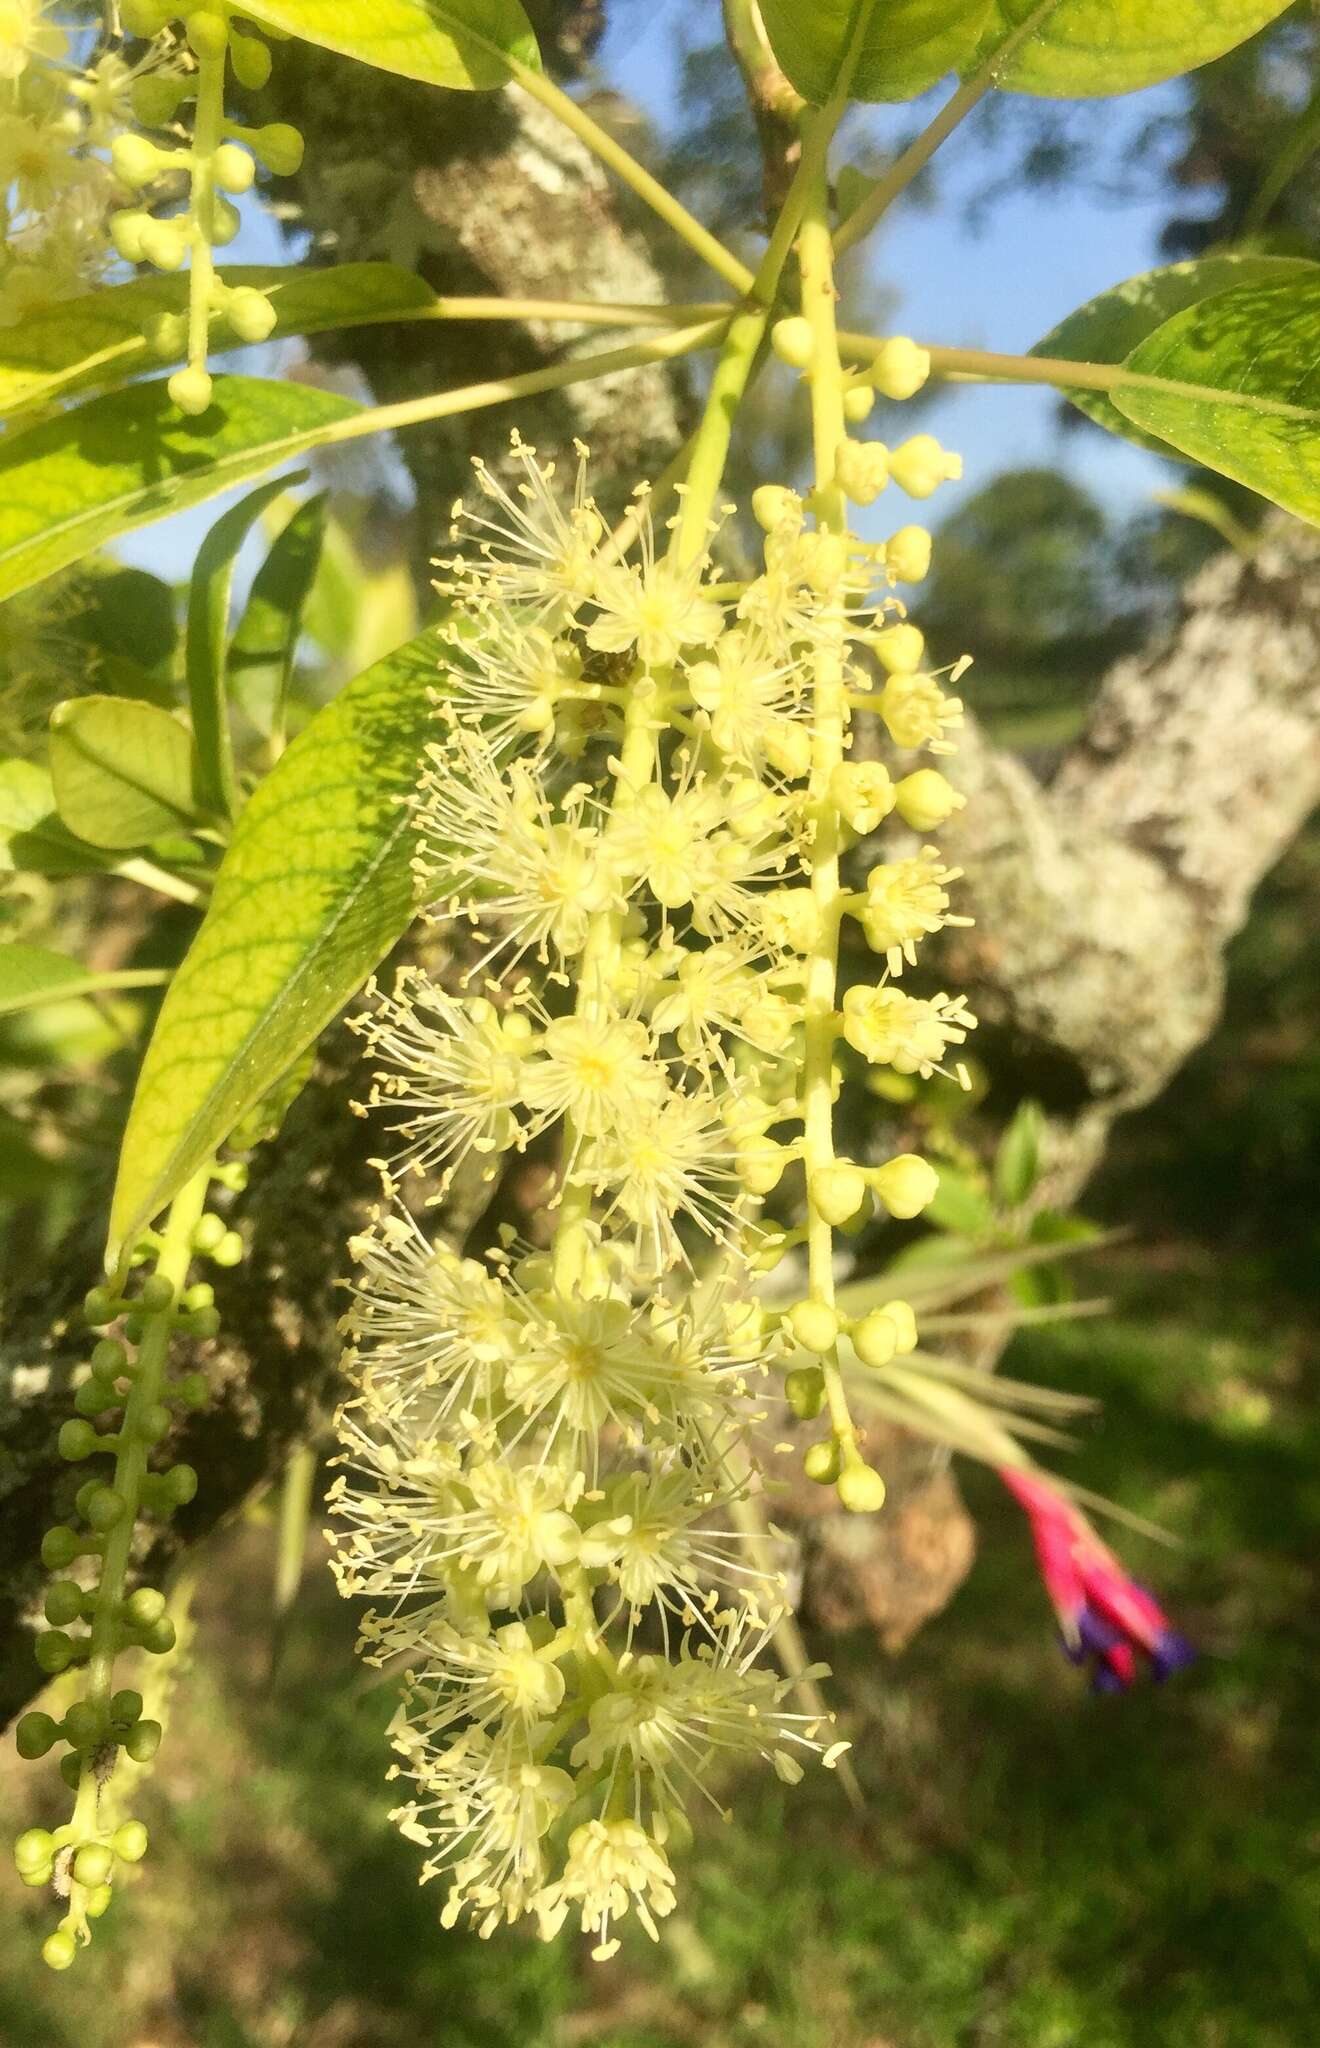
[1035,1867]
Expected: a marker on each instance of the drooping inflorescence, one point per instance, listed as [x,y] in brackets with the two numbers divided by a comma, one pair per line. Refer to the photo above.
[634,811]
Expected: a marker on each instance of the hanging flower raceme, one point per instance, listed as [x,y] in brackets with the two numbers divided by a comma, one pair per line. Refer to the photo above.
[542,1453]
[1106,1620]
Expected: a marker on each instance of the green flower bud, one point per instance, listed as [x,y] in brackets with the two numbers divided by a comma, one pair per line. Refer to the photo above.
[83,1725]
[815,1325]
[77,1440]
[907,554]
[59,1949]
[875,1339]
[157,1294]
[104,1508]
[100,1306]
[129,1841]
[142,1741]
[126,1705]
[837,1192]
[160,1638]
[804,1390]
[899,368]
[126,234]
[250,59]
[234,168]
[109,1358]
[63,1602]
[93,1863]
[250,314]
[899,648]
[94,1396]
[136,161]
[181,1484]
[280,148]
[59,1547]
[34,1849]
[861,1489]
[157,97]
[145,1607]
[164,243]
[861,470]
[210,1229]
[153,1423]
[193,1390]
[97,1900]
[35,1734]
[166,335]
[53,1651]
[906,1185]
[821,1461]
[793,342]
[229,1251]
[71,1769]
[925,800]
[145,18]
[226,220]
[207,33]
[858,403]
[920,466]
[191,390]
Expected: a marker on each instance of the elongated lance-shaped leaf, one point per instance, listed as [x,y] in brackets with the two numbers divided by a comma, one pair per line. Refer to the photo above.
[101,340]
[79,480]
[208,647]
[456,43]
[1108,327]
[1257,345]
[315,888]
[261,653]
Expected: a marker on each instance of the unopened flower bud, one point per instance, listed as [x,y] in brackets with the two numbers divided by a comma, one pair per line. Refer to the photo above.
[191,390]
[899,368]
[820,1462]
[815,1325]
[862,793]
[59,1949]
[837,1192]
[920,466]
[129,1841]
[772,504]
[136,161]
[804,1390]
[858,403]
[761,1163]
[926,799]
[907,554]
[790,918]
[279,146]
[793,341]
[899,648]
[252,317]
[861,469]
[207,33]
[875,1338]
[93,1863]
[906,1185]
[861,1489]
[163,243]
[233,168]
[250,59]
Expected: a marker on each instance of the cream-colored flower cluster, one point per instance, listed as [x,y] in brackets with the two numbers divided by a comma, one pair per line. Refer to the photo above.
[540,1484]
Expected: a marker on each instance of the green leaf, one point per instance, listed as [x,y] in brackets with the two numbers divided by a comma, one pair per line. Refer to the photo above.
[960,1205]
[1257,345]
[1107,328]
[116,463]
[99,341]
[908,44]
[314,890]
[206,660]
[28,973]
[1017,1162]
[1089,49]
[32,839]
[455,43]
[122,770]
[262,651]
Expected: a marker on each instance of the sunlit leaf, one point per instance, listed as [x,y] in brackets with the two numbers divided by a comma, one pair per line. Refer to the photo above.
[32,838]
[1107,328]
[122,770]
[315,888]
[118,462]
[261,653]
[456,43]
[1257,345]
[907,46]
[1087,49]
[207,648]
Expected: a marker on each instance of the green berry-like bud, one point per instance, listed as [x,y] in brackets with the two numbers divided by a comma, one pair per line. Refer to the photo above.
[95,1395]
[145,18]
[129,1841]
[210,1229]
[53,1651]
[234,168]
[226,220]
[229,1251]
[815,1325]
[207,33]
[145,1607]
[821,1462]
[93,1863]
[875,1339]
[83,1725]
[193,1390]
[251,61]
[861,1489]
[858,402]
[280,148]
[126,1706]
[71,1770]
[97,1900]
[205,1324]
[838,1191]
[153,1422]
[166,335]
[250,314]
[126,234]
[157,97]
[160,1638]
[100,1307]
[191,390]
[793,341]
[157,1294]
[906,1185]
[77,1440]
[34,1735]
[59,1547]
[804,1390]
[926,799]
[200,1295]
[34,1849]
[109,1358]
[164,243]
[136,161]
[142,1741]
[181,1485]
[63,1602]
[104,1508]
[899,367]
[907,555]
[59,1949]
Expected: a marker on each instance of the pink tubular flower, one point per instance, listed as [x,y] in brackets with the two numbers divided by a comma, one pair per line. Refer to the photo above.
[1104,1616]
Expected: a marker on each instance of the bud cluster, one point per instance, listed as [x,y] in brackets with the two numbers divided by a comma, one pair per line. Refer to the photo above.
[625,806]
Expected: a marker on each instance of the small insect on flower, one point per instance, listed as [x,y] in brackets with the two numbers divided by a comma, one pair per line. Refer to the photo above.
[1106,1619]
